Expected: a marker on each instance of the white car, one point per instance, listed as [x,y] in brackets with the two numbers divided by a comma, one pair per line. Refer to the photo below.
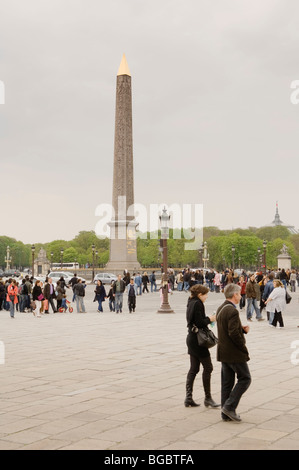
[67,276]
[106,278]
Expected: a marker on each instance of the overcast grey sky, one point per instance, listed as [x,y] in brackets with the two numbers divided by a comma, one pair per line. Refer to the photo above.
[212,118]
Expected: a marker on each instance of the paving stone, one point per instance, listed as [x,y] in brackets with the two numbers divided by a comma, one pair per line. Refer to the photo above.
[108,381]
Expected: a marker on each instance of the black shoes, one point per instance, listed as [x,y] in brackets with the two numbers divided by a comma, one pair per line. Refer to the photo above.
[189,402]
[210,402]
[231,414]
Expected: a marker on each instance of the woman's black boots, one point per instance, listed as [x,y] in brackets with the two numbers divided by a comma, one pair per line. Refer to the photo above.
[189,389]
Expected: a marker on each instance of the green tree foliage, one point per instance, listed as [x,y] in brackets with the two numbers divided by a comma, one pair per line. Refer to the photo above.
[220,242]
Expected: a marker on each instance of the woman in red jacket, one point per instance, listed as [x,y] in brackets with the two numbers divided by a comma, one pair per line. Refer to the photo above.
[12,296]
[242,284]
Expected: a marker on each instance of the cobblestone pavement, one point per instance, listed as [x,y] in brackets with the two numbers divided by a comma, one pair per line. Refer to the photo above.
[117,381]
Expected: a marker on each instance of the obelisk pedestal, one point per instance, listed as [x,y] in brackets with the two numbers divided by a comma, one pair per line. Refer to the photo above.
[123,243]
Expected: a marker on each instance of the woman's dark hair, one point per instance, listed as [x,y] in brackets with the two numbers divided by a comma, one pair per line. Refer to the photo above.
[198,289]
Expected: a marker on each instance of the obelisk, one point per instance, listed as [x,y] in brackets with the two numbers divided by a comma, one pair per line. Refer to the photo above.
[123,246]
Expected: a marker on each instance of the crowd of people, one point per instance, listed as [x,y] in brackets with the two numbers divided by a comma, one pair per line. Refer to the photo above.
[30,295]
[255,289]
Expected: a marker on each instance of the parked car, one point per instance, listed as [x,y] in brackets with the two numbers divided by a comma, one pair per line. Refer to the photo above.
[106,278]
[56,275]
[11,273]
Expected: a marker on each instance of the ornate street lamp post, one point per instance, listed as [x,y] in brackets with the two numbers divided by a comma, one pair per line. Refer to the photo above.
[164,219]
[61,257]
[52,260]
[264,256]
[200,250]
[205,255]
[8,258]
[33,252]
[258,259]
[233,256]
[93,249]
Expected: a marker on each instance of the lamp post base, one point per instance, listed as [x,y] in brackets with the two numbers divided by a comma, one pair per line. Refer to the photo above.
[165,308]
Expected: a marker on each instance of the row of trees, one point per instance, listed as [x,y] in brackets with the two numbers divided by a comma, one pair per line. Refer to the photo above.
[220,242]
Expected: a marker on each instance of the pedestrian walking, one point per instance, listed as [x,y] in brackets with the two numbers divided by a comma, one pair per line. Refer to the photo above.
[118,292]
[277,300]
[153,281]
[196,318]
[232,353]
[269,286]
[60,293]
[293,280]
[100,295]
[12,296]
[50,295]
[2,294]
[242,284]
[145,281]
[132,292]
[79,291]
[37,297]
[110,296]
[252,296]
[138,282]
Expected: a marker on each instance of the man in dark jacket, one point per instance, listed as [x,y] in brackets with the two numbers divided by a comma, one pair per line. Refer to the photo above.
[118,291]
[79,292]
[232,353]
[49,294]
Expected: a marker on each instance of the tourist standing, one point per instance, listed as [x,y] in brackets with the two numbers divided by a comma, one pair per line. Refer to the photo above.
[242,284]
[100,295]
[132,292]
[145,281]
[293,280]
[12,296]
[37,297]
[253,295]
[180,280]
[2,294]
[138,282]
[118,291]
[232,353]
[277,300]
[153,280]
[79,291]
[110,296]
[196,318]
[60,292]
[49,294]
[269,286]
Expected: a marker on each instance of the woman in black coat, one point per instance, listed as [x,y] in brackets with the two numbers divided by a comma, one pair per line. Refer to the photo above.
[100,295]
[37,297]
[198,355]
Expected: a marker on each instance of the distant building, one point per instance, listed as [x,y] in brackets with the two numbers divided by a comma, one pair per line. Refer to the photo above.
[277,221]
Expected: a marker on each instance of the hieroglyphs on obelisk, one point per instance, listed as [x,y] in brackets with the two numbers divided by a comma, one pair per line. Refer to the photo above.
[123,246]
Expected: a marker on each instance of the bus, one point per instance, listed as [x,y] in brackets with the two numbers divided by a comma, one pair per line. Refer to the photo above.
[65,266]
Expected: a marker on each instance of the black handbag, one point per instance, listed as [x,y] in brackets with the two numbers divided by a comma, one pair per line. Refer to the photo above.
[288,297]
[205,337]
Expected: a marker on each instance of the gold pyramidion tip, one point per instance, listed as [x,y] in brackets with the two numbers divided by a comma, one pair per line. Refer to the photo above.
[124,68]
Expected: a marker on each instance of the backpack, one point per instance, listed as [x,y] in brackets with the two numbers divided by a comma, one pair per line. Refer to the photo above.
[24,290]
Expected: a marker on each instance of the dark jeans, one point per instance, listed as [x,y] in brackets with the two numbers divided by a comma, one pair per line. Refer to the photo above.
[242,301]
[231,393]
[131,302]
